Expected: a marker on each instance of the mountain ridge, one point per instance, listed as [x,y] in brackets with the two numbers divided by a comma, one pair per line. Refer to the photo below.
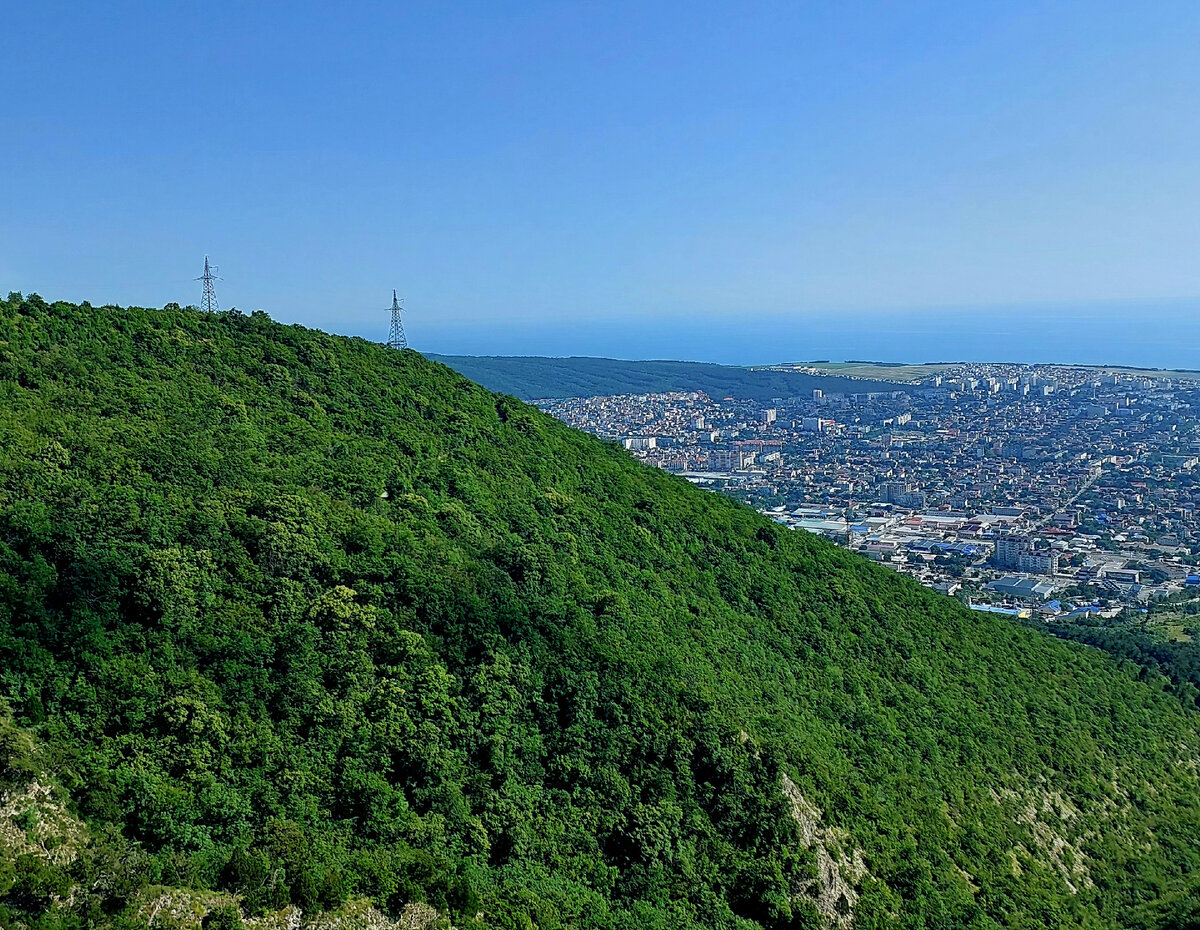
[306,621]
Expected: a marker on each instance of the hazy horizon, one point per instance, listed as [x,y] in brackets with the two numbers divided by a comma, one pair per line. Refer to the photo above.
[1130,333]
[1134,334]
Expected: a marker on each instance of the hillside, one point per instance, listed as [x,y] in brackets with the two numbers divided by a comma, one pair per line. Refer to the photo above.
[537,377]
[292,621]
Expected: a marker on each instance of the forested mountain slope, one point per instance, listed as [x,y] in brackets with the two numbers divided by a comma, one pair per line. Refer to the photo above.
[293,620]
[533,377]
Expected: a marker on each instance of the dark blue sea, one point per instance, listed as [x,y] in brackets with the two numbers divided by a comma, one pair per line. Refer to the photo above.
[1139,334]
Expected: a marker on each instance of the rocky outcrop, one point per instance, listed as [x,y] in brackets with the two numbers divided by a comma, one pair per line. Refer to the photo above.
[178,909]
[1048,815]
[840,865]
[33,820]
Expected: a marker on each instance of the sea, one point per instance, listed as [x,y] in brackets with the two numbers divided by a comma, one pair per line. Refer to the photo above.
[1129,333]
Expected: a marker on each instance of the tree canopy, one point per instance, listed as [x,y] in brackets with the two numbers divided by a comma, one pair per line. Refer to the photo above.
[305,620]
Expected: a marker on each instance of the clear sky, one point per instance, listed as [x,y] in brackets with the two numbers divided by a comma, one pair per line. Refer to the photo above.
[612,178]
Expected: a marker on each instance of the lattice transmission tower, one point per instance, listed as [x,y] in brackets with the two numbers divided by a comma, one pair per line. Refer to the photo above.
[396,338]
[208,302]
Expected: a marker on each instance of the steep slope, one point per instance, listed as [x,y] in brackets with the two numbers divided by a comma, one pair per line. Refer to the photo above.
[304,621]
[536,377]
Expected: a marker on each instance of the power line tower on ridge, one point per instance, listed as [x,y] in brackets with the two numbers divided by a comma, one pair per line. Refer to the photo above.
[396,338]
[208,302]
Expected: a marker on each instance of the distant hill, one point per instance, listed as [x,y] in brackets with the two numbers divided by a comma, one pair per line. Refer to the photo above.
[536,377]
[305,632]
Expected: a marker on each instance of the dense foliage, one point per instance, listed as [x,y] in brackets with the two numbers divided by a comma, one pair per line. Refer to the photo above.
[1127,636]
[537,377]
[305,619]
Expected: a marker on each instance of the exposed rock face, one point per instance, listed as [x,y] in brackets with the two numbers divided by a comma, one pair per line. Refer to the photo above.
[1048,815]
[33,821]
[179,909]
[185,910]
[355,915]
[840,865]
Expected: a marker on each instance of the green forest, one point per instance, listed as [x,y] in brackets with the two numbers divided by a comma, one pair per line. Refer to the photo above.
[294,621]
[1129,636]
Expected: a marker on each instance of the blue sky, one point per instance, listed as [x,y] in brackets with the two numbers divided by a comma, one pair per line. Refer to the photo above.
[611,178]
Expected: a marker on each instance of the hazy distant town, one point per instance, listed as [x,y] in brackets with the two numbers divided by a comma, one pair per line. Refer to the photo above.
[1030,490]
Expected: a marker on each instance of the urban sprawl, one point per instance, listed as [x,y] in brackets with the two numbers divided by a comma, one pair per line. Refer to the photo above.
[1046,490]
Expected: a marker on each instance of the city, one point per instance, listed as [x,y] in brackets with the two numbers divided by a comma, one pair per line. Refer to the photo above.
[1049,491]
